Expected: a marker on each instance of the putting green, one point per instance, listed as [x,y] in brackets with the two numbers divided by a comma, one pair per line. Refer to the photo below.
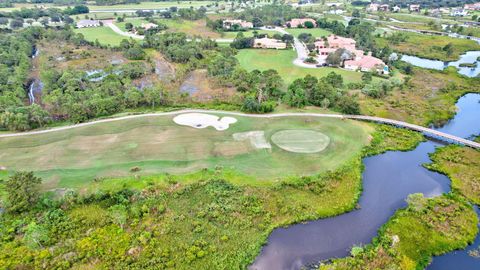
[301,141]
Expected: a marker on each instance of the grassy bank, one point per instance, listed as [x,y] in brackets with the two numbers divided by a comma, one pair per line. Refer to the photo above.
[462,165]
[430,47]
[203,221]
[427,227]
[429,97]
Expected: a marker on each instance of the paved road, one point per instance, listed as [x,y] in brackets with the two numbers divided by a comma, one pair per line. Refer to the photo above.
[427,131]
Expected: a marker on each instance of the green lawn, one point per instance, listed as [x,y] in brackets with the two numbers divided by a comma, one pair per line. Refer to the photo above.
[246,33]
[104,34]
[72,158]
[282,61]
[134,21]
[316,32]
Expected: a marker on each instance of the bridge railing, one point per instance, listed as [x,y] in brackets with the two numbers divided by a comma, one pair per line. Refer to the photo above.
[426,131]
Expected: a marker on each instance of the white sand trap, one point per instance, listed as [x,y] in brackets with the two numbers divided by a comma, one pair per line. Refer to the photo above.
[257,139]
[203,120]
[301,141]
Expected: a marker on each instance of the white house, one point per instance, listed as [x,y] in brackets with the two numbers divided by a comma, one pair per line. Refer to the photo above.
[88,23]
[269,43]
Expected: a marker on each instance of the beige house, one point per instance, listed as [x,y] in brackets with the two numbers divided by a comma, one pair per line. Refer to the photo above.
[295,23]
[269,43]
[228,24]
[147,26]
[414,8]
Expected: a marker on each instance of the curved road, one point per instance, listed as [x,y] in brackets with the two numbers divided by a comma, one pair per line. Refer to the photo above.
[426,131]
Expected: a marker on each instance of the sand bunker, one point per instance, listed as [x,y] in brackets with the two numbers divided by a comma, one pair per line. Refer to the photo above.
[301,141]
[257,139]
[203,120]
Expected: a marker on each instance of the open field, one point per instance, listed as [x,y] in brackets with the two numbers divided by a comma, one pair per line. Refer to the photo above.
[104,34]
[191,28]
[430,46]
[152,5]
[281,60]
[136,22]
[74,157]
[316,32]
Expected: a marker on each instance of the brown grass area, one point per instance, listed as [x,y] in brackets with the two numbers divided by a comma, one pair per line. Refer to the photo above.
[65,55]
[420,101]
[207,89]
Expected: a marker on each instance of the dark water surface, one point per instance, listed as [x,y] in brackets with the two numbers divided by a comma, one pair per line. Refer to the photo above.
[387,181]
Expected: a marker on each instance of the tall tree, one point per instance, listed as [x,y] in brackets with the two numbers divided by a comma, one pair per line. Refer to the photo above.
[22,191]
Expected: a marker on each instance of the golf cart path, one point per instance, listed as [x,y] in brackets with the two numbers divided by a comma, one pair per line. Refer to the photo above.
[427,131]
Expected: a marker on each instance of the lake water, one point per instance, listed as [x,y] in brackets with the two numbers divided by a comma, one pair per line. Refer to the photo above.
[387,181]
[469,57]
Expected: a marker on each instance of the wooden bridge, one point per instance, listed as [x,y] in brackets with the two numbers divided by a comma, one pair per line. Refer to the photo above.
[426,131]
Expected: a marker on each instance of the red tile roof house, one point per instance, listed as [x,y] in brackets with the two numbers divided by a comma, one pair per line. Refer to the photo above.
[475,6]
[366,63]
[295,23]
[334,43]
[359,60]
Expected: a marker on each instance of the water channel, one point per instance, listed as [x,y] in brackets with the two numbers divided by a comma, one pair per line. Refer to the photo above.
[387,181]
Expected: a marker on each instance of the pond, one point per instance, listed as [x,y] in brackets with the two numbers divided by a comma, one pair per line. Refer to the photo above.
[471,57]
[387,181]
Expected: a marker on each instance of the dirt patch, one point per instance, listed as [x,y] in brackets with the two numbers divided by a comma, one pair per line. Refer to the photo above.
[231,148]
[202,89]
[256,138]
[64,55]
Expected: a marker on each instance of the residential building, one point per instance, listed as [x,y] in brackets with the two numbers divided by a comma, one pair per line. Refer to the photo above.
[373,7]
[295,23]
[384,7]
[269,43]
[367,63]
[414,8]
[337,11]
[355,58]
[229,24]
[88,23]
[475,6]
[147,26]
[459,12]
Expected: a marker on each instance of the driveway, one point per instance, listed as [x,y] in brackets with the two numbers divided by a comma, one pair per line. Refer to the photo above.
[302,51]
[117,30]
